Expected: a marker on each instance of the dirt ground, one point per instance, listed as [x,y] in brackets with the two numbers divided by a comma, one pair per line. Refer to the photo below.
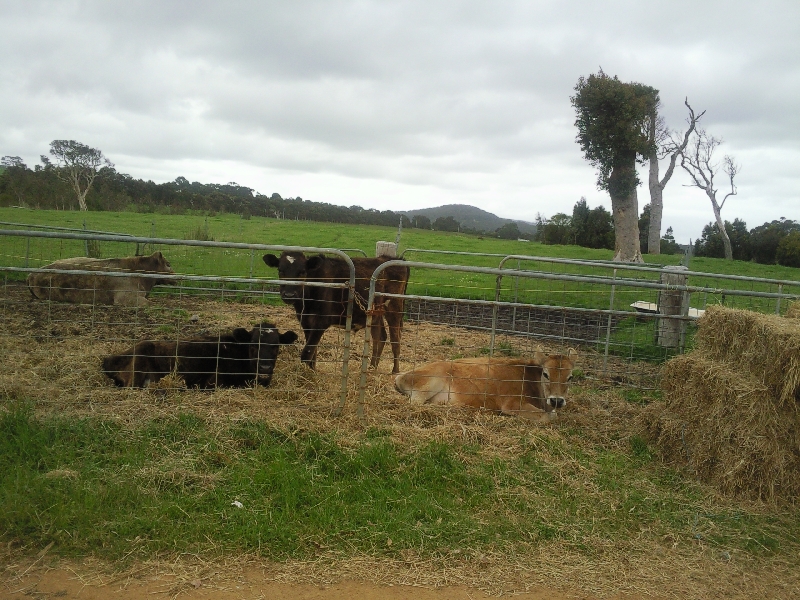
[68,581]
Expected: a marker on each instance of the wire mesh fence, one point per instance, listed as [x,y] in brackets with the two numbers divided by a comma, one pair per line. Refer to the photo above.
[205,324]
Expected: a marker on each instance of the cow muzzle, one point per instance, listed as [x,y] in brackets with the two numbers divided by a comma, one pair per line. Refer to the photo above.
[556,402]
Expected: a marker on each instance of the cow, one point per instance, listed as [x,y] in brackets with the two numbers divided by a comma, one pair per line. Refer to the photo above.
[319,308]
[100,289]
[532,388]
[233,359]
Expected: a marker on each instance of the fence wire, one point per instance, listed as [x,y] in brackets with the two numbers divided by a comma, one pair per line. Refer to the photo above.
[221,293]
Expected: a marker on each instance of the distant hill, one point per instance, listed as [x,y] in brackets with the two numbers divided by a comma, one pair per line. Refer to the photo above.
[472,217]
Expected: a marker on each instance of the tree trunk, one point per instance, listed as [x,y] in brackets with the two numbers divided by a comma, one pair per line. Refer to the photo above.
[656,207]
[625,208]
[726,241]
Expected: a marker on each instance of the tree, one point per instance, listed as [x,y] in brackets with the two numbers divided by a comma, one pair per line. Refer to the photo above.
[446,224]
[644,228]
[592,228]
[712,245]
[611,121]
[698,162]
[788,253]
[668,243]
[14,174]
[509,231]
[557,230]
[663,144]
[765,239]
[77,164]
[421,222]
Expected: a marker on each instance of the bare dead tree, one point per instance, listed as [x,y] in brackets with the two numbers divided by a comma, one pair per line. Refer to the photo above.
[664,144]
[699,163]
[78,165]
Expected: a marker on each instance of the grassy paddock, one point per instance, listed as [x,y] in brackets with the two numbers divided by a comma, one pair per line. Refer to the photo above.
[166,486]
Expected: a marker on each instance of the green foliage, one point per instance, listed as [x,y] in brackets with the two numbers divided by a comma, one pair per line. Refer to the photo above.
[766,238]
[509,231]
[710,243]
[446,224]
[421,222]
[668,243]
[788,252]
[556,230]
[611,118]
[592,228]
[200,232]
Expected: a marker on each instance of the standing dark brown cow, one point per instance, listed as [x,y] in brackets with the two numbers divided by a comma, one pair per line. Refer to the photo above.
[318,308]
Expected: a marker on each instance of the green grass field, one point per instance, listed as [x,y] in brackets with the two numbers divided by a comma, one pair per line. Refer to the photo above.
[232,228]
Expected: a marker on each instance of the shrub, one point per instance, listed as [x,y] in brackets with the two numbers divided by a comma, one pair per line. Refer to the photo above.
[788,252]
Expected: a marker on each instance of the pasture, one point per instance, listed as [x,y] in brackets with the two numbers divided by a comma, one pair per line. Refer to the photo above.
[149,481]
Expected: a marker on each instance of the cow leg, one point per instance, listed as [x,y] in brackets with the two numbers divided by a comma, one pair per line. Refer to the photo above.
[378,334]
[309,354]
[394,318]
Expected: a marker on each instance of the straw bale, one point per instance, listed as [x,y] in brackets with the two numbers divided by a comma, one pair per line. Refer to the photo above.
[765,346]
[793,311]
[724,426]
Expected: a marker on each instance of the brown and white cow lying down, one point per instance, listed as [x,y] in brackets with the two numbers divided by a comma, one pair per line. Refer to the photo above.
[319,308]
[100,289]
[234,359]
[532,388]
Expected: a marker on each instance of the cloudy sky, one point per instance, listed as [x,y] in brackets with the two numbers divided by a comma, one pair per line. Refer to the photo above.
[401,105]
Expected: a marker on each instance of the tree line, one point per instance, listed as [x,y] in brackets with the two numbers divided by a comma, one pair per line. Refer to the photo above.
[770,243]
[80,177]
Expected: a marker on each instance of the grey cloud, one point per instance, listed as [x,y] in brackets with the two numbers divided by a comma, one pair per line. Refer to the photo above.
[470,98]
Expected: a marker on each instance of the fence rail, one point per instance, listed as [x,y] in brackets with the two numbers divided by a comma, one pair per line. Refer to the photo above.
[565,301]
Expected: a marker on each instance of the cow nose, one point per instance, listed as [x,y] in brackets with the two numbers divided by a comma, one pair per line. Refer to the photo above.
[556,402]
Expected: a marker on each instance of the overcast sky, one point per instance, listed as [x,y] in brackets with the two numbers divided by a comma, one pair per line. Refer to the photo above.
[402,105]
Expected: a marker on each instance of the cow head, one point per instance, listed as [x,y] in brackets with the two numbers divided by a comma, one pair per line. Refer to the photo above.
[556,375]
[293,266]
[157,263]
[264,343]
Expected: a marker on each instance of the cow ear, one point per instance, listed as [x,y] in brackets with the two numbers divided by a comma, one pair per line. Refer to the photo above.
[539,356]
[271,260]
[573,354]
[240,334]
[288,337]
[315,262]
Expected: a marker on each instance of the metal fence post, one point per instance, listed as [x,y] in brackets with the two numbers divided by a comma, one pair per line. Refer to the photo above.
[608,326]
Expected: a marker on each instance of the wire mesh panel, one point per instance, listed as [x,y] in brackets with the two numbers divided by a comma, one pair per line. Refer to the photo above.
[616,319]
[76,328]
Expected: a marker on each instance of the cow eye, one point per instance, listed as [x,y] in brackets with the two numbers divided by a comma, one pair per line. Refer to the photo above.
[545,375]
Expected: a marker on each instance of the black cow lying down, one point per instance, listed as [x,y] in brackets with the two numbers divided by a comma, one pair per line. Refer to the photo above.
[233,359]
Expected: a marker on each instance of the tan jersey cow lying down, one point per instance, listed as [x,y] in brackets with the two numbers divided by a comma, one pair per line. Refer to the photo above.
[99,289]
[532,388]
